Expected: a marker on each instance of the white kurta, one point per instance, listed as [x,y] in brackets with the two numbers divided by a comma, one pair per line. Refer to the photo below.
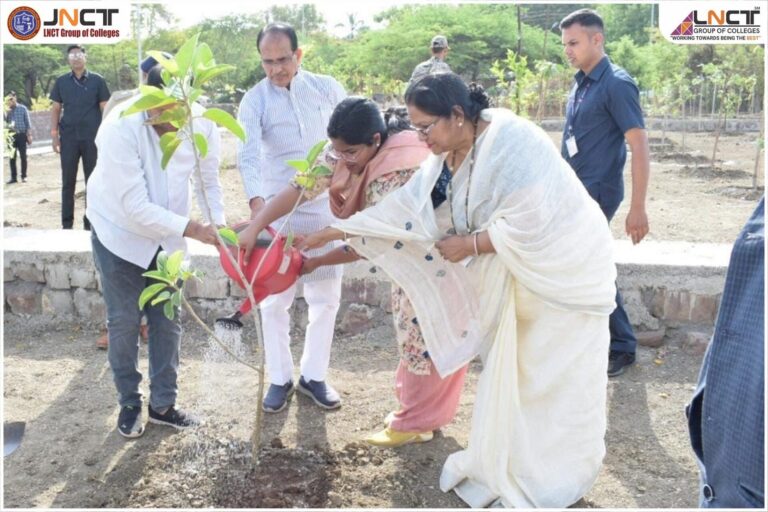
[537,311]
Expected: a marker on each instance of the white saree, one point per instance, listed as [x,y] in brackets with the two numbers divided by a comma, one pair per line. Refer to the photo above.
[536,310]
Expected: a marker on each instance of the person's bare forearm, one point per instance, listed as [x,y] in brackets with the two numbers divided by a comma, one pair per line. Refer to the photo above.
[640,167]
[338,256]
[279,206]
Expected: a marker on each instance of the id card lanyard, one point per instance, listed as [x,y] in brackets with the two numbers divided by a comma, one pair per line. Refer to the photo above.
[570,142]
[579,98]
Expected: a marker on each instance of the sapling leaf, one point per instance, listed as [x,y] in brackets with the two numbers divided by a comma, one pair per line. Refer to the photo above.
[146,103]
[162,259]
[206,75]
[315,151]
[288,242]
[176,298]
[321,170]
[201,144]
[225,119]
[203,58]
[174,263]
[169,64]
[162,296]
[169,311]
[186,53]
[158,276]
[168,152]
[229,235]
[149,292]
[299,165]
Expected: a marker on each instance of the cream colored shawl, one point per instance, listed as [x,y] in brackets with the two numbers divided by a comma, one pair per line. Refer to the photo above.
[550,236]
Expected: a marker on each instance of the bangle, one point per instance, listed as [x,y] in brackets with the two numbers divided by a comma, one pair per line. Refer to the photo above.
[474,242]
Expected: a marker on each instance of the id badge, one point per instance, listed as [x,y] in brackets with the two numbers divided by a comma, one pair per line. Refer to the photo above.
[570,144]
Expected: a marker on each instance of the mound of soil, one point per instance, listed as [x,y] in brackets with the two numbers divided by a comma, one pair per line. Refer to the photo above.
[707,172]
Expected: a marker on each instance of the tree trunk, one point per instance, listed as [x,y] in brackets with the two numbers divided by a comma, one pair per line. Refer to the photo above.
[717,140]
[29,85]
[701,94]
[685,128]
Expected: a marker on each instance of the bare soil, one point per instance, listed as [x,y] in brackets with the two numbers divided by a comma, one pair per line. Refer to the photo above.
[72,456]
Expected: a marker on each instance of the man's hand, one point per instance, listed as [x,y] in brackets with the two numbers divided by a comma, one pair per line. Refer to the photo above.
[636,224]
[256,204]
[203,233]
[455,248]
[29,137]
[56,142]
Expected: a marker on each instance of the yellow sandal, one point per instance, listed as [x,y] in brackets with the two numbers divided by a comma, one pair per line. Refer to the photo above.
[389,438]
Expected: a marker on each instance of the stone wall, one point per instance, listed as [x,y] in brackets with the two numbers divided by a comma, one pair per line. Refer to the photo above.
[671,290]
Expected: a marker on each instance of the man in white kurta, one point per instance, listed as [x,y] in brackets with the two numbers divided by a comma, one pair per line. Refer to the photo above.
[284,115]
[136,210]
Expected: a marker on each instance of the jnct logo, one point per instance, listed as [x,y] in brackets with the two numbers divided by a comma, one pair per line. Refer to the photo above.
[85,17]
[69,21]
[23,23]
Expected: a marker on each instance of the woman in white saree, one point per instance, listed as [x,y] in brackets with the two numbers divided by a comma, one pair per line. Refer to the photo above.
[515,265]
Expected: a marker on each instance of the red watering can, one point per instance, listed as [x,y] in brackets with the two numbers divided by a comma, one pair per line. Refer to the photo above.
[278,272]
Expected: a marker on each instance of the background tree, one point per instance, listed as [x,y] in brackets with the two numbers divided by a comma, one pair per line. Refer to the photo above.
[30,70]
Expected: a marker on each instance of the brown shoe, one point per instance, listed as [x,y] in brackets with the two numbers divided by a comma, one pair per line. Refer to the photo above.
[144,333]
[103,342]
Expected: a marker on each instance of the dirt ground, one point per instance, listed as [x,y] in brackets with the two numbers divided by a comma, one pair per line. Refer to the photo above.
[72,456]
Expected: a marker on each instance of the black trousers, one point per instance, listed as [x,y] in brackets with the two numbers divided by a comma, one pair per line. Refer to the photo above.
[20,143]
[72,151]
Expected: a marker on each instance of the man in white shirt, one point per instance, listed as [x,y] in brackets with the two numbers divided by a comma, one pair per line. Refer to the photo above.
[136,209]
[284,115]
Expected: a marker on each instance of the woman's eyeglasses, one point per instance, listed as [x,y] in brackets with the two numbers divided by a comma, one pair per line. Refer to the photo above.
[424,132]
[348,156]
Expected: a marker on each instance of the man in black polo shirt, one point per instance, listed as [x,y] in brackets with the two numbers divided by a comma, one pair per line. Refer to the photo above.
[603,111]
[82,94]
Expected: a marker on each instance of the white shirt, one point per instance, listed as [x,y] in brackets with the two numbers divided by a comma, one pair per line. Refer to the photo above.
[283,124]
[134,206]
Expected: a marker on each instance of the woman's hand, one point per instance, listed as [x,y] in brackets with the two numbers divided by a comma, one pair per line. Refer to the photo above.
[455,248]
[247,237]
[309,266]
[319,239]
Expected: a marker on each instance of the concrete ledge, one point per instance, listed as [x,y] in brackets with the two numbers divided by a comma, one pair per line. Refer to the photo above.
[671,289]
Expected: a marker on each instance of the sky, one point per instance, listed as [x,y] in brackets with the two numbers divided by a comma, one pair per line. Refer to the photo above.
[334,11]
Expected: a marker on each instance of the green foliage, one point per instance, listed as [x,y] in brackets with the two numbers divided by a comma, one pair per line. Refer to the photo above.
[192,64]
[172,274]
[379,62]
[309,170]
[627,20]
[229,235]
[31,70]
[517,83]
[41,104]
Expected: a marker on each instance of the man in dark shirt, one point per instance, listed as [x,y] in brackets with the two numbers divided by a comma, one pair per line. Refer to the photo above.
[17,118]
[603,111]
[82,94]
[726,417]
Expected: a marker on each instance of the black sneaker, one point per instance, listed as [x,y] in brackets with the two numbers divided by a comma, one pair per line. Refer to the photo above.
[618,362]
[277,397]
[129,422]
[320,392]
[176,418]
